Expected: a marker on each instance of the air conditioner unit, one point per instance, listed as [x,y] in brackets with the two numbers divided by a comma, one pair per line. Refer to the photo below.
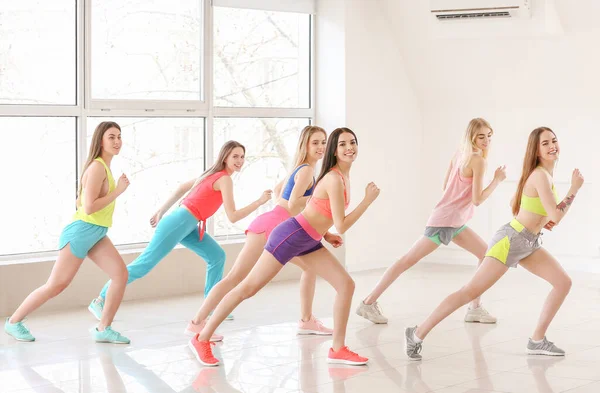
[445,10]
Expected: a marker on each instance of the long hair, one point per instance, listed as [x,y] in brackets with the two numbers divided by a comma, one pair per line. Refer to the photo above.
[302,148]
[330,160]
[219,164]
[530,162]
[96,147]
[469,137]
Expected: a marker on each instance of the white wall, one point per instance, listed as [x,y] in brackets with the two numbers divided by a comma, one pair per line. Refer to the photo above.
[381,107]
[519,75]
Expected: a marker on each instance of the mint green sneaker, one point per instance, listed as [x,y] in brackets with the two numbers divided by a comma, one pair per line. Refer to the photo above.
[109,336]
[228,318]
[18,330]
[96,307]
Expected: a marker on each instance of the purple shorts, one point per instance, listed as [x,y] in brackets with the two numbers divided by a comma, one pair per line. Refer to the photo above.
[292,238]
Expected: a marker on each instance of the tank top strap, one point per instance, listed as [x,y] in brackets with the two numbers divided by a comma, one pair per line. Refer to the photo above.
[109,176]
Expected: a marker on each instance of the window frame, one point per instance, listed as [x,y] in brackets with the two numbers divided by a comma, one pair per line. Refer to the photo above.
[204,108]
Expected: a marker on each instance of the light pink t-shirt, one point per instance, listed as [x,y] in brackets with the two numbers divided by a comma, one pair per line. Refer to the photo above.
[456,206]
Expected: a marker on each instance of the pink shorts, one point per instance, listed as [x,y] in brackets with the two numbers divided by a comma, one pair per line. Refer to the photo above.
[266,222]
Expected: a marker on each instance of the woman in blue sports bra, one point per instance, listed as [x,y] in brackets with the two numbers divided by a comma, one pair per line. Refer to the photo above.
[297,190]
[535,206]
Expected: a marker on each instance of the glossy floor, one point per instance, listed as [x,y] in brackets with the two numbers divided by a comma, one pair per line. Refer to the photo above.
[261,352]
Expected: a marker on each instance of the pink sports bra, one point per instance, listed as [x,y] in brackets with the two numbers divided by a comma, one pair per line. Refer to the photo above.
[324,206]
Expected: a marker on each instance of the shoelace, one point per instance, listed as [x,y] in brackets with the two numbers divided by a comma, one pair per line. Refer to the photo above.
[417,348]
[207,350]
[348,351]
[376,306]
[22,329]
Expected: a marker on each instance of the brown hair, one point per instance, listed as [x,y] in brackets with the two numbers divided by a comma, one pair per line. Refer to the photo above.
[530,162]
[96,147]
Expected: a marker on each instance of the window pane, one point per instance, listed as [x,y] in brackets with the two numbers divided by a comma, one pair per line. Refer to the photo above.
[40,161]
[157,155]
[146,50]
[261,58]
[270,145]
[37,52]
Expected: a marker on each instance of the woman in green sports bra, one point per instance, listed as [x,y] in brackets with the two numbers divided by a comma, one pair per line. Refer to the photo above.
[535,206]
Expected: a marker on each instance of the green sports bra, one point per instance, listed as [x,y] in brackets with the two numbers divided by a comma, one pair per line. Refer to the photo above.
[534,204]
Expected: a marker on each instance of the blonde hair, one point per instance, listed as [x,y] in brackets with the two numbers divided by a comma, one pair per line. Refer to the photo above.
[469,137]
[96,147]
[219,164]
[530,162]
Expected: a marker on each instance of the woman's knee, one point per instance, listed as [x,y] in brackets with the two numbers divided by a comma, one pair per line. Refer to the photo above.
[57,286]
[121,275]
[564,284]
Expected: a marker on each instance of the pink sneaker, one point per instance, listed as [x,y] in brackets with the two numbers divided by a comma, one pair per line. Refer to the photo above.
[313,326]
[192,330]
[346,356]
[203,352]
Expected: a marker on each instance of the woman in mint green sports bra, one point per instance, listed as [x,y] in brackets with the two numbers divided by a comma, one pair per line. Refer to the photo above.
[86,236]
[535,206]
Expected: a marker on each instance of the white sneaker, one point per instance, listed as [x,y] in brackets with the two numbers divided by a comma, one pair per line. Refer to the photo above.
[480,315]
[372,312]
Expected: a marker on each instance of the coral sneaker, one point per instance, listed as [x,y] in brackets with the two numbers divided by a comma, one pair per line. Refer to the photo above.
[313,326]
[193,329]
[346,356]
[203,351]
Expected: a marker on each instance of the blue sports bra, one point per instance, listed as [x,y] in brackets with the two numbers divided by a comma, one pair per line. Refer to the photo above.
[287,191]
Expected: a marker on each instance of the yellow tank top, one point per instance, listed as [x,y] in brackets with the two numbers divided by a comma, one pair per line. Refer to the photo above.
[534,204]
[104,216]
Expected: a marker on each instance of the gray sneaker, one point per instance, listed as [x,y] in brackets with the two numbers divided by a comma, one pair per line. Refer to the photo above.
[372,312]
[544,348]
[412,348]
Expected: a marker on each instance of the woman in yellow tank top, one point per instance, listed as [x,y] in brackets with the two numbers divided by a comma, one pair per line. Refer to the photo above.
[86,236]
[535,206]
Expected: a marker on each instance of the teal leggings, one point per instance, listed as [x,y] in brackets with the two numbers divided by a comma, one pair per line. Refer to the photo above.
[178,227]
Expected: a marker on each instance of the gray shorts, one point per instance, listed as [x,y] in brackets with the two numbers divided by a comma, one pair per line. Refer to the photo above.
[512,243]
[444,235]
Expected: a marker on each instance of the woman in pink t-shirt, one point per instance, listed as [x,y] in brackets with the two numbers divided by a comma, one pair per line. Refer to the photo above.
[463,190]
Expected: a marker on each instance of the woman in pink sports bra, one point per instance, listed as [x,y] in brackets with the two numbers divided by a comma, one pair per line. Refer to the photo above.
[463,190]
[300,236]
[292,195]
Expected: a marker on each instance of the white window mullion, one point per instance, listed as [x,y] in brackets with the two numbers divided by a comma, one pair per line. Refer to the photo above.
[208,93]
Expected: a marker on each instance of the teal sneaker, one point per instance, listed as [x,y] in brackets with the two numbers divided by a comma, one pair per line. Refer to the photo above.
[18,330]
[228,318]
[96,307]
[109,336]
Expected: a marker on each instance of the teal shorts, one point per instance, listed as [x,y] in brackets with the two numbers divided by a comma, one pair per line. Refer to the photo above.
[440,235]
[81,236]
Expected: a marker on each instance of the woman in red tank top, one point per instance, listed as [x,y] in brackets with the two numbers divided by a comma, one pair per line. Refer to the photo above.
[186,224]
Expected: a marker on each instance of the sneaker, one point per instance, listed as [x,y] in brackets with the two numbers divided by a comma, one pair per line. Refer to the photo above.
[412,347]
[228,318]
[372,312]
[203,351]
[480,315]
[313,326]
[544,347]
[109,336]
[18,330]
[193,329]
[96,307]
[346,356]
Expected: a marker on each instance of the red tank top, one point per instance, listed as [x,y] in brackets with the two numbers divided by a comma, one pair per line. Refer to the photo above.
[204,201]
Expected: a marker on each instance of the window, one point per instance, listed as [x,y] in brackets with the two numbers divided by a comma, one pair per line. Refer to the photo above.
[261,58]
[146,50]
[67,65]
[157,155]
[34,33]
[270,146]
[39,181]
